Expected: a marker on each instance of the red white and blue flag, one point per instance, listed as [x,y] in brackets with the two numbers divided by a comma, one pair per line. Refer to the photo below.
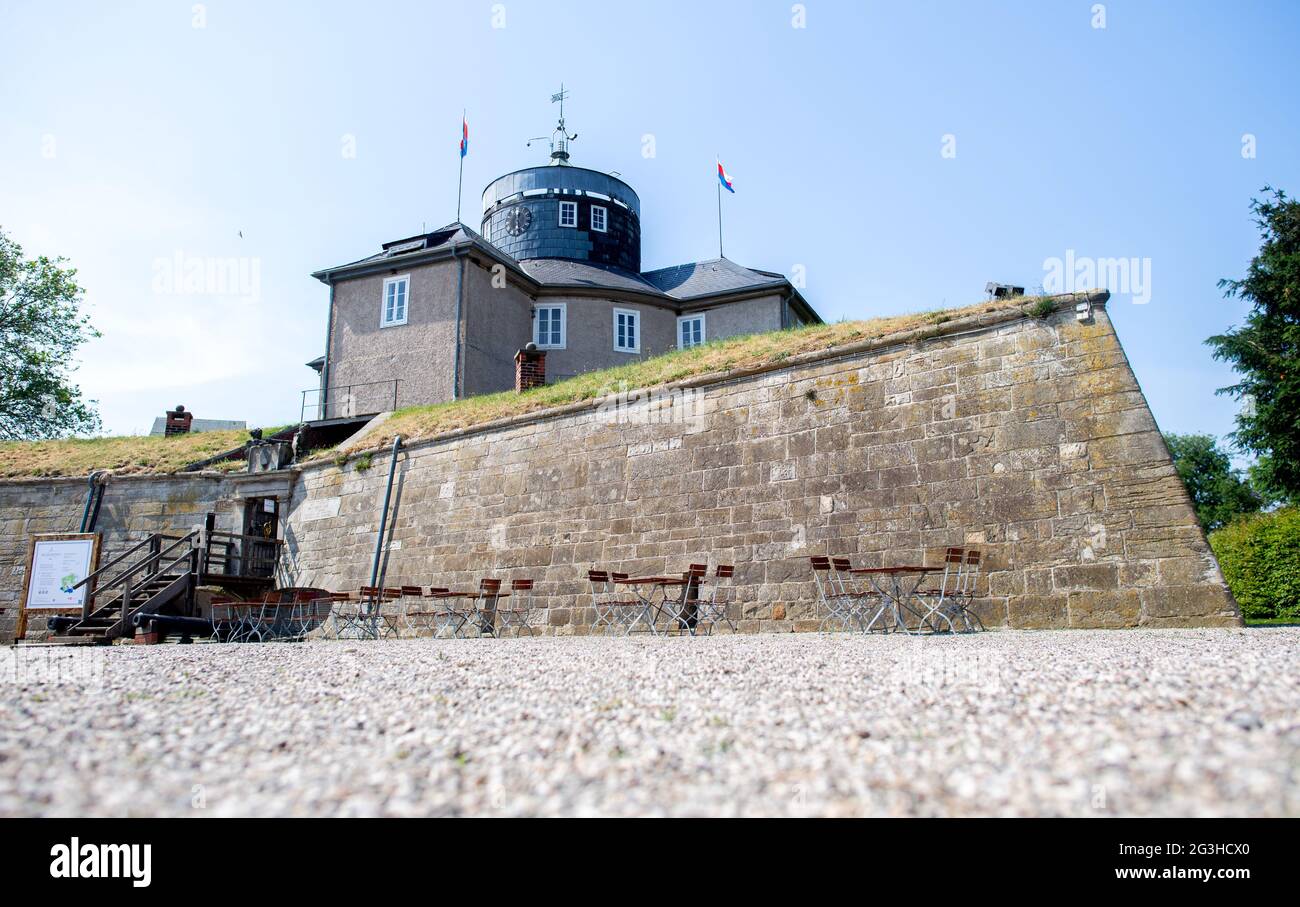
[464,137]
[724,179]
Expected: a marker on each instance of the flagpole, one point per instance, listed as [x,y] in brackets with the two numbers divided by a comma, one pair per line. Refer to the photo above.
[720,255]
[460,181]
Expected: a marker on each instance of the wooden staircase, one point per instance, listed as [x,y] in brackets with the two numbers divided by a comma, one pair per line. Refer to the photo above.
[156,576]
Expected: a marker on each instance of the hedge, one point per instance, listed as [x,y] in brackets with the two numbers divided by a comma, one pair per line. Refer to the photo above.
[1260,559]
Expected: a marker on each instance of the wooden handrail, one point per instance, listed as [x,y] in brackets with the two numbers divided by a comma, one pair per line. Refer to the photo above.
[139,565]
[250,538]
[114,561]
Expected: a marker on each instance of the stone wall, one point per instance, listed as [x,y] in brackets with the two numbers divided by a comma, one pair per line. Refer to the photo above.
[133,508]
[1028,438]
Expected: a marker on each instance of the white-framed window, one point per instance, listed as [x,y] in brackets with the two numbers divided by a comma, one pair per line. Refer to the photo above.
[395,302]
[568,214]
[599,218]
[627,331]
[690,330]
[549,326]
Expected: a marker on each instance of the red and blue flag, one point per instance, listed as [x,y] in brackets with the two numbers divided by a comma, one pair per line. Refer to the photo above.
[724,179]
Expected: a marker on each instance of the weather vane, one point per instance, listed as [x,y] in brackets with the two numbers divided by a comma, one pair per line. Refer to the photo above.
[560,138]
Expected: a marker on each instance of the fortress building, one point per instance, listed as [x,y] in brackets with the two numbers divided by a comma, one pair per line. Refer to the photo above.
[556,263]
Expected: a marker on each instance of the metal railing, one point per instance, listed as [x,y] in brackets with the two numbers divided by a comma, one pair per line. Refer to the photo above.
[345,401]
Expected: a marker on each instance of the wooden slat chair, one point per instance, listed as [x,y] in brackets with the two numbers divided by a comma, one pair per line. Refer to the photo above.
[364,615]
[422,614]
[517,613]
[966,592]
[939,598]
[449,614]
[603,600]
[318,610]
[224,617]
[262,617]
[296,619]
[835,609]
[864,605]
[484,614]
[410,599]
[711,608]
[346,615]
[684,610]
[389,612]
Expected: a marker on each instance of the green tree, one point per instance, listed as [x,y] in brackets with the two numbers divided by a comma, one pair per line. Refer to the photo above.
[1219,492]
[1265,351]
[41,326]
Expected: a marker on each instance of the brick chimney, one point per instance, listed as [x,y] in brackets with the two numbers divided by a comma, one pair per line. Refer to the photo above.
[530,368]
[178,421]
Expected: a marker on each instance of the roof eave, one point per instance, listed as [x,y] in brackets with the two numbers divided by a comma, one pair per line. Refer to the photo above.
[365,268]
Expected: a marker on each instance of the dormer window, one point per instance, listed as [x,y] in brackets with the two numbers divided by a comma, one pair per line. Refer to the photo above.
[393,306]
[599,219]
[568,214]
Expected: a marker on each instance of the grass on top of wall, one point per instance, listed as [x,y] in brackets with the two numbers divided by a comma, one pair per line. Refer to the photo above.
[121,455]
[733,353]
[155,454]
[125,454]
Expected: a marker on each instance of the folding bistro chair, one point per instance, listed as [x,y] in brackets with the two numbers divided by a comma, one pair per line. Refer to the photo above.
[833,604]
[961,602]
[684,610]
[484,615]
[347,614]
[446,616]
[712,608]
[864,606]
[224,619]
[371,620]
[246,616]
[318,612]
[298,620]
[612,612]
[391,612]
[520,607]
[405,620]
[939,601]
[424,615]
[261,616]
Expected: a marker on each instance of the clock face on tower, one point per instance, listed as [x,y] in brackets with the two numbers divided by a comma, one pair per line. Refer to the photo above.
[518,220]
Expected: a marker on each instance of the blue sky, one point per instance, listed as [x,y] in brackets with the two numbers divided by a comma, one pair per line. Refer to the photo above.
[129,136]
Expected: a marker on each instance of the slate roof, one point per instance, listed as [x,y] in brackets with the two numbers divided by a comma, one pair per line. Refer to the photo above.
[705,278]
[678,284]
[565,273]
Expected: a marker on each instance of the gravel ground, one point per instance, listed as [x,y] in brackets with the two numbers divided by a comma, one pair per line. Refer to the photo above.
[1076,723]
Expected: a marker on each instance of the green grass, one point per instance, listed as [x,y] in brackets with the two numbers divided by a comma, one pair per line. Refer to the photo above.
[731,354]
[123,455]
[152,454]
[1272,622]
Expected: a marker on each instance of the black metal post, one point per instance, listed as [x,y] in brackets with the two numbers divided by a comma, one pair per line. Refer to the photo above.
[383,518]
